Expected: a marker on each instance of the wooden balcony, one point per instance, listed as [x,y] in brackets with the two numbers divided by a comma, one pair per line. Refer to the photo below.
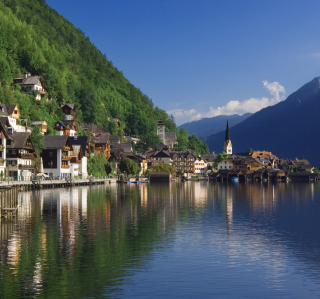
[67,148]
[66,157]
[27,156]
[25,167]
[65,166]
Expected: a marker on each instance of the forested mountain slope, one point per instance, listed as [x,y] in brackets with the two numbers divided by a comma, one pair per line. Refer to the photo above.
[289,129]
[35,38]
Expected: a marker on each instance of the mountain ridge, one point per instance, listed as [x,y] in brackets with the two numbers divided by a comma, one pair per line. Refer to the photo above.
[288,129]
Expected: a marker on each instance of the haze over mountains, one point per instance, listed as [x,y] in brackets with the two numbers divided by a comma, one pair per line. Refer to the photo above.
[208,126]
[288,129]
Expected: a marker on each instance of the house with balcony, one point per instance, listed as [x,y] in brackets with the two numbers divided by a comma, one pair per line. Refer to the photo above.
[200,166]
[56,156]
[184,162]
[69,111]
[13,114]
[30,84]
[20,156]
[79,154]
[66,127]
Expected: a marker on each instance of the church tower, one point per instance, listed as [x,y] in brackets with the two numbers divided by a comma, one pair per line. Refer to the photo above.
[227,148]
[161,132]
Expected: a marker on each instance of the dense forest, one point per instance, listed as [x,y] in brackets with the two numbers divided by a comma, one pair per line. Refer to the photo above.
[35,38]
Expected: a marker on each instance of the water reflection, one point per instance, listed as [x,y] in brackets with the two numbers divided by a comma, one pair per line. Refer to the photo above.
[92,241]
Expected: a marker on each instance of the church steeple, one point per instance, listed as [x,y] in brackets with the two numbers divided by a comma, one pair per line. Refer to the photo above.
[227,147]
[227,132]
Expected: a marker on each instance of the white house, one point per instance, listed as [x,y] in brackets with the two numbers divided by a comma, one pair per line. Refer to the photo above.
[29,84]
[56,156]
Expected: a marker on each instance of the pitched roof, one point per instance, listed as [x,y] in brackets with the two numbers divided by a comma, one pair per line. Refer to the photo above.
[10,108]
[38,122]
[19,140]
[80,140]
[114,139]
[93,128]
[65,123]
[55,142]
[5,121]
[70,105]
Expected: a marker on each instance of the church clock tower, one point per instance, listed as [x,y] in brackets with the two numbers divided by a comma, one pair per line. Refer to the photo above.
[227,148]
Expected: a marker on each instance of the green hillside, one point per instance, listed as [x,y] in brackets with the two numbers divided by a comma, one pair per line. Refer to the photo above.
[35,38]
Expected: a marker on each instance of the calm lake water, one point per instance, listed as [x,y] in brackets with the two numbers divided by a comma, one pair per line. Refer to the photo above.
[177,240]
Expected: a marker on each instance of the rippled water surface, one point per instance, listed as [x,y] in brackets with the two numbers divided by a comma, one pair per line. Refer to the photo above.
[177,240]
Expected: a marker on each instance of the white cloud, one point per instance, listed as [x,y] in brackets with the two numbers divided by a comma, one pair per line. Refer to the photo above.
[251,105]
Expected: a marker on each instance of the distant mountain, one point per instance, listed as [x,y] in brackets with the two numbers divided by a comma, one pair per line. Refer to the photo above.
[288,129]
[212,125]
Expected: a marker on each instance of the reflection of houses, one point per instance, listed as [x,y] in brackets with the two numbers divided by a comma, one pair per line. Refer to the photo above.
[56,156]
[20,156]
[30,84]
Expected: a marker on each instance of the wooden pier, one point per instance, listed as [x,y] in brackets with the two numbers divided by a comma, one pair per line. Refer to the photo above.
[8,201]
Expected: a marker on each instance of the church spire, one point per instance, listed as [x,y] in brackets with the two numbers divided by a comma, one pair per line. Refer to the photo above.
[227,132]
[227,147]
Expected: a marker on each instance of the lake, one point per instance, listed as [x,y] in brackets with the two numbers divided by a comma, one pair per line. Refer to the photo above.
[164,240]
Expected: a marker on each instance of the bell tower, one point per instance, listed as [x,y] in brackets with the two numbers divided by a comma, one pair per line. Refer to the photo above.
[161,132]
[227,148]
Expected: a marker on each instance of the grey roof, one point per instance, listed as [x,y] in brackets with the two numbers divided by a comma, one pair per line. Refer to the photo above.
[93,128]
[80,140]
[55,142]
[70,105]
[19,140]
[114,139]
[5,121]
[162,153]
[10,108]
[38,122]
[66,123]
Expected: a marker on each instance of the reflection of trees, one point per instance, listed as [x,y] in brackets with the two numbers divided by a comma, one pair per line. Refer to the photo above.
[83,241]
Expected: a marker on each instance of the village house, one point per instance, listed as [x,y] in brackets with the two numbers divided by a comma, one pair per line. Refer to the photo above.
[56,156]
[184,162]
[65,127]
[20,155]
[13,114]
[79,156]
[302,165]
[100,144]
[69,111]
[200,166]
[262,154]
[226,163]
[254,165]
[30,84]
[161,155]
[93,129]
[42,124]
[4,136]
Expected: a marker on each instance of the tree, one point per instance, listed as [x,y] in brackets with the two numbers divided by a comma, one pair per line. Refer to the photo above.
[128,166]
[163,167]
[250,150]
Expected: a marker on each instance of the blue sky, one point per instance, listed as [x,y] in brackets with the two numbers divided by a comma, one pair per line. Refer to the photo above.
[204,58]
